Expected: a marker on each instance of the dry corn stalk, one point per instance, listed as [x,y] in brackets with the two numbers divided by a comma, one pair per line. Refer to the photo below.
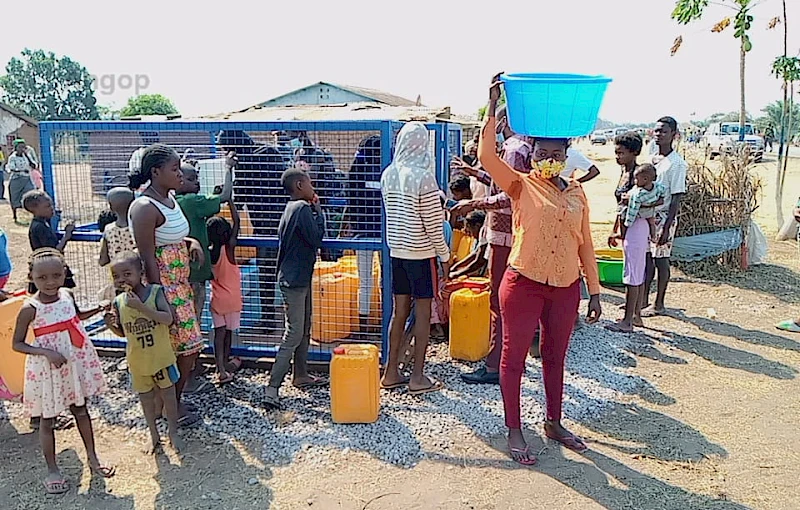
[719,196]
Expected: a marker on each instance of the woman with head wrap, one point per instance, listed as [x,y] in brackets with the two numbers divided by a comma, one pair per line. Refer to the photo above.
[415,236]
[20,164]
[551,240]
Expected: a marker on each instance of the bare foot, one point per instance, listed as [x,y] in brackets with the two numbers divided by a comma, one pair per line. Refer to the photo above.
[652,311]
[103,470]
[177,442]
[620,327]
[154,449]
[638,322]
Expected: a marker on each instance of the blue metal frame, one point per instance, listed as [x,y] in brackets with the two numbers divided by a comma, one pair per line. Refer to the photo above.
[89,233]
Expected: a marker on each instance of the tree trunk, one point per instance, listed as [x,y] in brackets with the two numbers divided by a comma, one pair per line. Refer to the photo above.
[781,172]
[789,110]
[742,108]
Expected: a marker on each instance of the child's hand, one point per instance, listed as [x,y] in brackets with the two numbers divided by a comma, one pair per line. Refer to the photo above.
[69,229]
[613,241]
[110,319]
[462,166]
[134,301]
[55,358]
[196,252]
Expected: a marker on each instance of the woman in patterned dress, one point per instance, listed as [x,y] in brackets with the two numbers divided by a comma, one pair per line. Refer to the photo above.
[160,233]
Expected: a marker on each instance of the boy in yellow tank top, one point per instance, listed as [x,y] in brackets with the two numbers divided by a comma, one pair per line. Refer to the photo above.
[141,314]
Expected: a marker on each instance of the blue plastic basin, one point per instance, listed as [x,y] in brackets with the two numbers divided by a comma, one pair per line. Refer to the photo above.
[554,105]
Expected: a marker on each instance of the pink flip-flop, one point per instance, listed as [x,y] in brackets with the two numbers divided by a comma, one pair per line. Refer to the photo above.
[527,461]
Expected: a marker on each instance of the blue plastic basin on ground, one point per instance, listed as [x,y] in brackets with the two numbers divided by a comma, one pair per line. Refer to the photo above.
[554,105]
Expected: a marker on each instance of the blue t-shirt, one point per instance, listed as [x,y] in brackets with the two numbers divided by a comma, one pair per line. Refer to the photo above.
[5,260]
[448,235]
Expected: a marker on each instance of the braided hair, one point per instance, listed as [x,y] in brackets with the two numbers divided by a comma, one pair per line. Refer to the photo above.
[41,255]
[219,233]
[154,156]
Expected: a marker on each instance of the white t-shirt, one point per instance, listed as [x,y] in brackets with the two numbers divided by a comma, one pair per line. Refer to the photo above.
[479,189]
[575,161]
[671,172]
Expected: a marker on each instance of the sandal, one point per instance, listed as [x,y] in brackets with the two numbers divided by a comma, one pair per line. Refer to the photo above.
[271,403]
[104,471]
[396,385]
[235,363]
[435,386]
[788,325]
[522,456]
[315,382]
[571,442]
[202,387]
[226,379]
[617,328]
[188,419]
[56,487]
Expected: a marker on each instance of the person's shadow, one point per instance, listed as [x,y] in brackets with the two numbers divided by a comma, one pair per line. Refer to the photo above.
[27,490]
[210,469]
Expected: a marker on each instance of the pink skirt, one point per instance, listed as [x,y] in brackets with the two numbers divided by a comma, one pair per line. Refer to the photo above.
[635,248]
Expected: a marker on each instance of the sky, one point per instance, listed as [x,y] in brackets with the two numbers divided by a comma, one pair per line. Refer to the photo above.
[219,57]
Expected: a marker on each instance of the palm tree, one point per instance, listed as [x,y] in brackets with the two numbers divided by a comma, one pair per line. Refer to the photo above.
[687,11]
[788,70]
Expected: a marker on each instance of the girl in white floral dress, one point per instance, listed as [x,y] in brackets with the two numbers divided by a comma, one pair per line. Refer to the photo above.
[62,369]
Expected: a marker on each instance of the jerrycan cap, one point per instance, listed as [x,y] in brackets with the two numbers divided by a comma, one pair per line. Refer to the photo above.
[339,350]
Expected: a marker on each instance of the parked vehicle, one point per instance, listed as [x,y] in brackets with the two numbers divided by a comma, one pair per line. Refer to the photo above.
[723,138]
[598,138]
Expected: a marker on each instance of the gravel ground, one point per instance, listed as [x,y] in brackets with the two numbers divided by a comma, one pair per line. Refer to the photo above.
[409,428]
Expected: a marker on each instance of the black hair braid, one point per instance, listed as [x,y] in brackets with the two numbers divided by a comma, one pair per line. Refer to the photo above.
[154,156]
[43,254]
[219,233]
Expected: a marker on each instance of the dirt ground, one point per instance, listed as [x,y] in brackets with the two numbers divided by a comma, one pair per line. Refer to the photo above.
[716,430]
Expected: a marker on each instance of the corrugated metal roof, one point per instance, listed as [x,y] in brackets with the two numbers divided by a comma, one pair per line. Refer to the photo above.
[347,111]
[377,95]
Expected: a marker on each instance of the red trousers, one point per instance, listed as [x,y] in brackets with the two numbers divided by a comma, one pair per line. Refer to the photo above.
[498,263]
[524,304]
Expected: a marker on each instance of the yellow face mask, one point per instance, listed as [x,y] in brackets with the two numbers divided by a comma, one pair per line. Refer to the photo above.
[548,168]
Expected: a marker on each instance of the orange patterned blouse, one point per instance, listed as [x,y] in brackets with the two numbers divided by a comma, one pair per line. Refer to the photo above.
[551,226]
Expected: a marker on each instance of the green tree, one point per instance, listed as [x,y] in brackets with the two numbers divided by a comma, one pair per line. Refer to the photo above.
[148,104]
[787,69]
[47,87]
[108,112]
[687,11]
[773,115]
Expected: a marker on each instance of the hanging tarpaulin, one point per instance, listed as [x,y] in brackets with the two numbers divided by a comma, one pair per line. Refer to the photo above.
[703,246]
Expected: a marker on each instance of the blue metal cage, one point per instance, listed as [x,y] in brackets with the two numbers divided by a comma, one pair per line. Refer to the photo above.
[82,160]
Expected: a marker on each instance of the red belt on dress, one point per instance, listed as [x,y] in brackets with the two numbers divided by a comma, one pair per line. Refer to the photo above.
[76,335]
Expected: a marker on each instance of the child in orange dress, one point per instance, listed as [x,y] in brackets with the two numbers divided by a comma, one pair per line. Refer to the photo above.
[226,291]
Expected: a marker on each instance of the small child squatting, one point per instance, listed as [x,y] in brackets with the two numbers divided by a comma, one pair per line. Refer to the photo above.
[141,314]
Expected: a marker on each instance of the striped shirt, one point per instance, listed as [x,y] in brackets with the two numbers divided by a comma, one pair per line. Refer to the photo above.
[175,227]
[414,214]
[639,197]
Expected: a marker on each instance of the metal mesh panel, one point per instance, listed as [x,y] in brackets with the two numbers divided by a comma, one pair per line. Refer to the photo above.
[84,160]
